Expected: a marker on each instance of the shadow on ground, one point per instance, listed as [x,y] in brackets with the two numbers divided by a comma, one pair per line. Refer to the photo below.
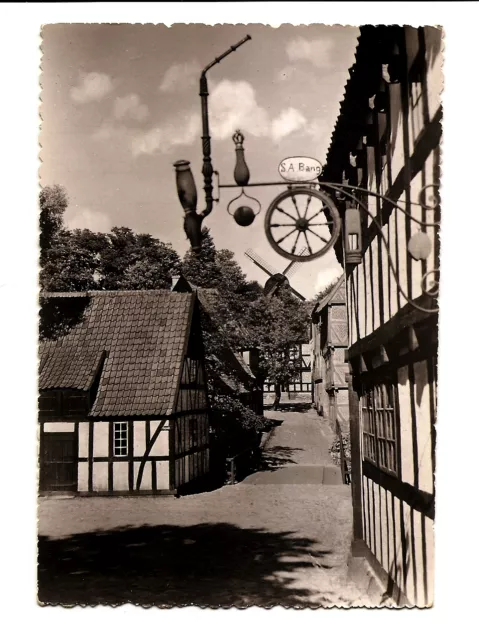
[298,407]
[206,565]
[271,423]
[277,457]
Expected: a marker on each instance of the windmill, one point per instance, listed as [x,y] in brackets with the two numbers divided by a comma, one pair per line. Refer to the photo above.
[276,279]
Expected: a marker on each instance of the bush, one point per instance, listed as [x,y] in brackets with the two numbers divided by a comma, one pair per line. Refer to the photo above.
[335,450]
[235,426]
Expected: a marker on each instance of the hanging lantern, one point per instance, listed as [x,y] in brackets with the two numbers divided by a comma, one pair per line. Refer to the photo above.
[352,233]
[419,246]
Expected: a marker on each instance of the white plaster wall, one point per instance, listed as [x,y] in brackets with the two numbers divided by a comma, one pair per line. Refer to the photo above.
[397,160]
[376,284]
[83,476]
[162,474]
[422,393]
[417,97]
[435,79]
[139,437]
[146,484]
[420,595]
[161,446]
[120,476]
[405,420]
[430,555]
[59,427]
[365,303]
[83,437]
[100,439]
[100,476]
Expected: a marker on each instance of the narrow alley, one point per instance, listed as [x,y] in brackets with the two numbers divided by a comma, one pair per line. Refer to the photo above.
[279,537]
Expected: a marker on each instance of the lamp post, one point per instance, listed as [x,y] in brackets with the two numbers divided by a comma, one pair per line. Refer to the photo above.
[185,182]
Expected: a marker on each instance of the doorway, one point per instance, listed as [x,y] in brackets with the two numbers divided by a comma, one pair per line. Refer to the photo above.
[58,462]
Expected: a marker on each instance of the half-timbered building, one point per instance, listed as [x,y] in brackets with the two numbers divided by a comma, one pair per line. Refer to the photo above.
[122,397]
[301,385]
[387,141]
[329,329]
[241,379]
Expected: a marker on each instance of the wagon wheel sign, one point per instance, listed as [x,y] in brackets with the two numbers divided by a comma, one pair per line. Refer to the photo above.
[302,213]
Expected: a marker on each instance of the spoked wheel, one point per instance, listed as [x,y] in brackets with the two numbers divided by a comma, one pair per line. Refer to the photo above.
[302,218]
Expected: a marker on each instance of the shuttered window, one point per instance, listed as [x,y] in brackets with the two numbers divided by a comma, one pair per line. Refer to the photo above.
[380,426]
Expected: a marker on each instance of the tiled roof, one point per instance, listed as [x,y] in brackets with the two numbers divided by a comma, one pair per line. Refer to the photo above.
[68,366]
[144,335]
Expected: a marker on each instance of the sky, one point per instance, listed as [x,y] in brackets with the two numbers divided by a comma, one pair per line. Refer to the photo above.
[120,104]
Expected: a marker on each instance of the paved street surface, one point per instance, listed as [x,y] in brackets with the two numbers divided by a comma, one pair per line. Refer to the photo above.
[280,537]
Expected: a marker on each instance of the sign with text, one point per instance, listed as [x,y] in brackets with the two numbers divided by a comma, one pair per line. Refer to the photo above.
[300,169]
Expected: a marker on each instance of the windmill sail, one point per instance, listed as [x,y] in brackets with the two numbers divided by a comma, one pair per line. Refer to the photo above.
[276,278]
[259,262]
[294,265]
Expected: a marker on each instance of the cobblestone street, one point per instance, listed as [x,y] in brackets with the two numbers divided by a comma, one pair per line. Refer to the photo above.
[279,537]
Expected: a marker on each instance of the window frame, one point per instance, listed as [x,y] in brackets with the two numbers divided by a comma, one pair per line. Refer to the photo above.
[123,433]
[381,429]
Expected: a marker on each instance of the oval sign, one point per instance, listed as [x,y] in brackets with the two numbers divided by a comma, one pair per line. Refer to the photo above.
[300,169]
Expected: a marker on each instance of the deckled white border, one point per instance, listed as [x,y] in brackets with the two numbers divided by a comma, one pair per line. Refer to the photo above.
[458,427]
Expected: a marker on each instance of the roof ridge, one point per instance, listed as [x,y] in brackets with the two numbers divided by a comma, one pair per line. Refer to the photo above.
[107,292]
[329,296]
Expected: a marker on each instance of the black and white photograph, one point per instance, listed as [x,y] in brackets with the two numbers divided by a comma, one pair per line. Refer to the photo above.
[238,314]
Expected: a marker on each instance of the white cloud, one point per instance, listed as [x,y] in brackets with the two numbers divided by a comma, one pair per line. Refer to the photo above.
[182,132]
[180,77]
[318,52]
[233,105]
[287,122]
[130,106]
[88,219]
[92,87]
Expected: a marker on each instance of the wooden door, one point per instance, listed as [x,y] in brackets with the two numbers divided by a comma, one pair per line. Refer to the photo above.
[59,462]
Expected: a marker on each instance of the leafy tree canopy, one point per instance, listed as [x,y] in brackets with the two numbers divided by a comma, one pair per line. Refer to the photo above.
[53,204]
[82,260]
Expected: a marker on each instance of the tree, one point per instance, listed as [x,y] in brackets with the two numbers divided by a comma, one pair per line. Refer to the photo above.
[274,324]
[82,260]
[136,261]
[71,264]
[277,324]
[68,259]
[53,204]
[218,269]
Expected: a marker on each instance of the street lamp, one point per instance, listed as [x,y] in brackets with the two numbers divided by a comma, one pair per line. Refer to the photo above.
[352,232]
[185,182]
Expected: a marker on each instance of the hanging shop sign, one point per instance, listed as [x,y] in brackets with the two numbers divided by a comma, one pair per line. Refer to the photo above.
[300,169]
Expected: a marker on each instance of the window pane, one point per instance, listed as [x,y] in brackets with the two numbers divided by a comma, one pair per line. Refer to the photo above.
[120,439]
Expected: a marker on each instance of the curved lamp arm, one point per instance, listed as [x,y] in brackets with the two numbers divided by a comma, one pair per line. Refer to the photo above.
[184,178]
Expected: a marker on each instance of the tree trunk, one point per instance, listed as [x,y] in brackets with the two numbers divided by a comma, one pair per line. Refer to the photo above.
[277,396]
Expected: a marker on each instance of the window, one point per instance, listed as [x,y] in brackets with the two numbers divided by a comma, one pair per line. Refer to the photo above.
[120,439]
[193,370]
[380,426]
